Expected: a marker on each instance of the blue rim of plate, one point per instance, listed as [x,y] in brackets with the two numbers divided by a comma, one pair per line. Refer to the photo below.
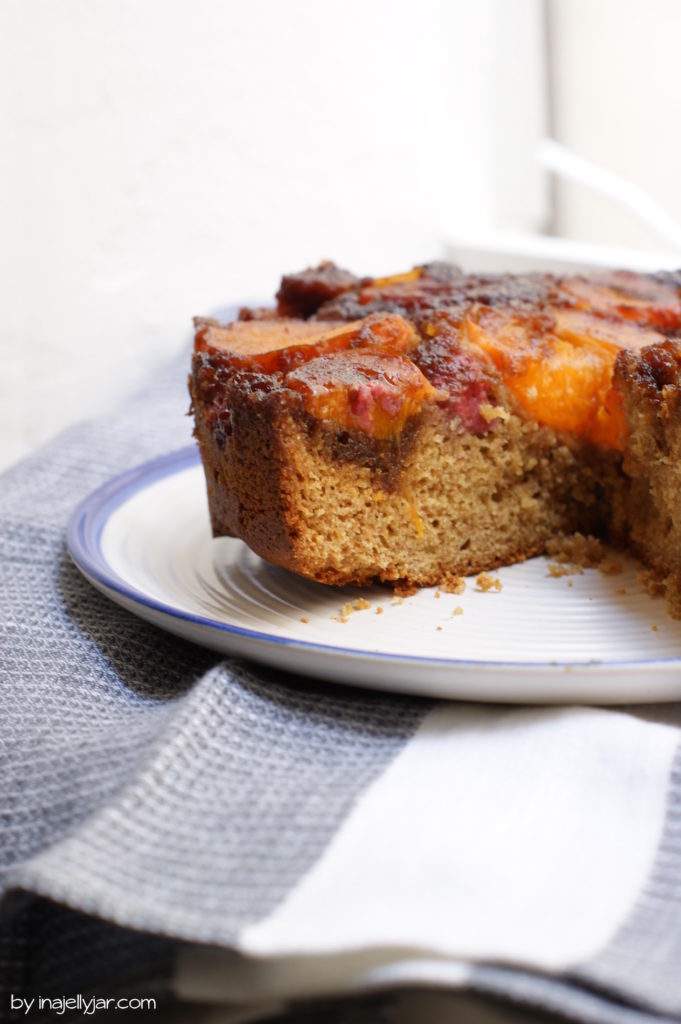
[83,541]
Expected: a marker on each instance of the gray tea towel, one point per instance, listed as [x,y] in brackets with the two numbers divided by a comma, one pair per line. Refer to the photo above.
[173,820]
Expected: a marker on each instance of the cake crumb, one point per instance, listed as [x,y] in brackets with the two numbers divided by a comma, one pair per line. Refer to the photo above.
[397,599]
[574,553]
[650,582]
[654,627]
[454,585]
[558,569]
[439,629]
[379,610]
[458,610]
[576,549]
[361,604]
[621,591]
[437,595]
[486,582]
[304,619]
[344,614]
[609,567]
[569,583]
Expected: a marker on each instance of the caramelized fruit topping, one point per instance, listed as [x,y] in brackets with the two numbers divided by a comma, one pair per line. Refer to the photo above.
[559,366]
[372,390]
[450,368]
[552,341]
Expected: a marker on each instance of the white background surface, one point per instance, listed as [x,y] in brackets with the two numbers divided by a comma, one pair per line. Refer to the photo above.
[168,157]
[615,99]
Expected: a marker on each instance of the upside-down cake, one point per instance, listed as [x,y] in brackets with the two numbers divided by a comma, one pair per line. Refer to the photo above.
[434,424]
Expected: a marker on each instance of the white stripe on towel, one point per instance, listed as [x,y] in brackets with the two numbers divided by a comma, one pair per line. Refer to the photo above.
[516,835]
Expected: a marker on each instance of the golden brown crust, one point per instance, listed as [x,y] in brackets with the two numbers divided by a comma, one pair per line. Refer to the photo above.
[244,474]
[649,383]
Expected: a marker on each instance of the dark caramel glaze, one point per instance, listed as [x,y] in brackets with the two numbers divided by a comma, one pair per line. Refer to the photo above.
[439,287]
[213,379]
[650,299]
[468,383]
[653,370]
[302,294]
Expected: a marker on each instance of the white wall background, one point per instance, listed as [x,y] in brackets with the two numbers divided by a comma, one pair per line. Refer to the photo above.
[162,158]
[616,99]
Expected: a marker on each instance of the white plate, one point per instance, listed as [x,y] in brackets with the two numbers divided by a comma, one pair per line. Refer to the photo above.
[144,540]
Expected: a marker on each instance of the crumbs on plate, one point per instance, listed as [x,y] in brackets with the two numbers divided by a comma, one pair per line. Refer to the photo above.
[455,585]
[653,586]
[609,567]
[573,553]
[558,569]
[485,583]
[360,604]
[576,549]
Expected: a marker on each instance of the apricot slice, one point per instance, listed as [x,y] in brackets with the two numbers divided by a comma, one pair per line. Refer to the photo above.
[272,346]
[629,296]
[371,390]
[559,375]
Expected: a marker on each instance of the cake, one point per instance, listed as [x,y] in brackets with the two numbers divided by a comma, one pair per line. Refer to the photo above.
[430,425]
